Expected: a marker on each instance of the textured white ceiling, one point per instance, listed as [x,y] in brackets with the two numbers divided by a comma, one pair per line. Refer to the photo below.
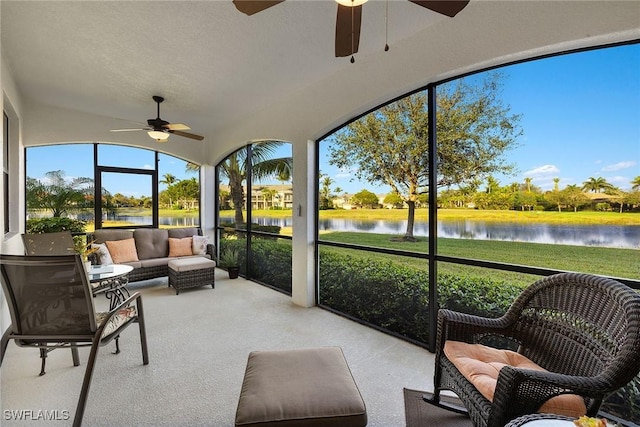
[235,78]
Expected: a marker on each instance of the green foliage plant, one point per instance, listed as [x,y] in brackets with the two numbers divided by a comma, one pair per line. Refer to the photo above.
[229,257]
[55,224]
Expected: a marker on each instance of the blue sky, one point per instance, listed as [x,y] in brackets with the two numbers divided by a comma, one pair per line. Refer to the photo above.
[580,116]
[581,119]
[65,157]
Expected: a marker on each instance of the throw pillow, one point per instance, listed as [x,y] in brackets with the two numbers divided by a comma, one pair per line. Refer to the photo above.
[180,247]
[104,257]
[122,250]
[200,245]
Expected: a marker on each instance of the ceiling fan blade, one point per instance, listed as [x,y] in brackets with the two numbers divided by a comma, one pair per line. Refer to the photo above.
[127,130]
[346,42]
[249,7]
[186,134]
[449,8]
[176,126]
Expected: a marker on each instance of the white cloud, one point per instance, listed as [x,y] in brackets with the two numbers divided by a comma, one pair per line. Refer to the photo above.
[542,171]
[147,167]
[619,166]
[345,173]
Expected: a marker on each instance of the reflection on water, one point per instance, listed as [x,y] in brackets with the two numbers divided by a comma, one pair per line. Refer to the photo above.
[615,236]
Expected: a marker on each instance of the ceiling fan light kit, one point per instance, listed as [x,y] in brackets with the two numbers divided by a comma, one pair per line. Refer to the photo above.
[351,3]
[158,135]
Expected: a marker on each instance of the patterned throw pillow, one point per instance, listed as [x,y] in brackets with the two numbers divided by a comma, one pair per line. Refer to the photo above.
[122,250]
[180,247]
[104,257]
[200,245]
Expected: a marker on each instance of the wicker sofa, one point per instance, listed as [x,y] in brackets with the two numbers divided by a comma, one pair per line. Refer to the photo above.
[152,246]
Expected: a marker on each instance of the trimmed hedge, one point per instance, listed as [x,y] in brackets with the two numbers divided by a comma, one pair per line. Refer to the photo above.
[270,260]
[54,224]
[396,297]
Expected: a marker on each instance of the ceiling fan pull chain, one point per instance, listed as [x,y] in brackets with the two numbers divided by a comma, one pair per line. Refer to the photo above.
[386,28]
[353,59]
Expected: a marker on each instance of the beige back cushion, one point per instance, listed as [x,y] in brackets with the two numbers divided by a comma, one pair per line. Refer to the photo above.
[180,233]
[151,243]
[101,236]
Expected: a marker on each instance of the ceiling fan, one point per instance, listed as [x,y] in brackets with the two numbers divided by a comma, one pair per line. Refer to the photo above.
[160,130]
[350,16]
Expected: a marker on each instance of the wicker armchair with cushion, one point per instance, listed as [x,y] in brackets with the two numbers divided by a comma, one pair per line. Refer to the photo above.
[575,339]
[51,306]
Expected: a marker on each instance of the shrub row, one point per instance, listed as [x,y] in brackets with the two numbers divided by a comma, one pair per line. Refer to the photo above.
[54,224]
[396,297]
[270,261]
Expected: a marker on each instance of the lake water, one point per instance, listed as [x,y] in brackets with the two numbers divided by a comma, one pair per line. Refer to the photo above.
[612,236]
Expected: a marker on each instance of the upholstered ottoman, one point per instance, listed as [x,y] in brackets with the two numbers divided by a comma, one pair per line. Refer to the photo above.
[300,388]
[191,272]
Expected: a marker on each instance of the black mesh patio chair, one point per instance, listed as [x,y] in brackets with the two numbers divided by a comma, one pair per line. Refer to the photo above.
[59,243]
[576,339]
[51,306]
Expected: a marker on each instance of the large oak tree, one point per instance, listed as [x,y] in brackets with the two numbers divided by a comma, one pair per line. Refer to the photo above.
[390,145]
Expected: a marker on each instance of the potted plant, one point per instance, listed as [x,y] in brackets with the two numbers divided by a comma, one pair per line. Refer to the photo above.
[84,249]
[230,260]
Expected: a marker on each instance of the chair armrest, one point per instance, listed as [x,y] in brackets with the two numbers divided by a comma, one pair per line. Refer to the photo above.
[469,328]
[524,391]
[211,251]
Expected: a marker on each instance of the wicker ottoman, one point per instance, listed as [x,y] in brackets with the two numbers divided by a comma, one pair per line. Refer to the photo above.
[191,272]
[300,388]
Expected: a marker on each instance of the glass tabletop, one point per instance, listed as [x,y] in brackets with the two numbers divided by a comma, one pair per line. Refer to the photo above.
[112,271]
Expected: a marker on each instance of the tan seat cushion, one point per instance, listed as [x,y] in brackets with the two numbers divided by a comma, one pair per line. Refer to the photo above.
[191,263]
[300,388]
[481,365]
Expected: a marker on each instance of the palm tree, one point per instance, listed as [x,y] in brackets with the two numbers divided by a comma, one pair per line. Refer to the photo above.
[56,193]
[596,184]
[556,184]
[234,168]
[527,182]
[169,179]
[492,184]
[635,183]
[192,167]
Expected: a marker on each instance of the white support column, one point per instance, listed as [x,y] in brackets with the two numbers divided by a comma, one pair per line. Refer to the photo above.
[303,257]
[207,200]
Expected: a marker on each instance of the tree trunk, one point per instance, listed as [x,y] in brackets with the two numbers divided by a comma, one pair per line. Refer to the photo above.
[408,235]
[237,195]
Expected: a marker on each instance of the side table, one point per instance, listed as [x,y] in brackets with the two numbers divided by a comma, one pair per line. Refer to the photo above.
[541,420]
[112,284]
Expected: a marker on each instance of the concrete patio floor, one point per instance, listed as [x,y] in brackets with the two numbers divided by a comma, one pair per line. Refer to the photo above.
[198,347]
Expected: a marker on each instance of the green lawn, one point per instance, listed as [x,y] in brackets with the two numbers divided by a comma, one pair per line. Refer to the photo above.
[605,261]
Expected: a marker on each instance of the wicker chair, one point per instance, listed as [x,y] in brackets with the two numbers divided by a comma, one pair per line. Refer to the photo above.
[582,330]
[51,306]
